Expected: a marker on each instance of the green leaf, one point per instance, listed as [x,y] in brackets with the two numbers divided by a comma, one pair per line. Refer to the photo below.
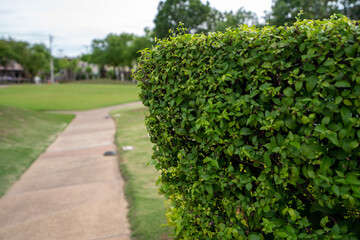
[251,69]
[329,62]
[228,210]
[235,233]
[311,173]
[354,144]
[230,149]
[351,51]
[245,131]
[288,92]
[281,234]
[225,66]
[332,137]
[248,186]
[215,163]
[320,128]
[209,189]
[309,67]
[254,237]
[351,179]
[264,86]
[338,99]
[222,226]
[267,159]
[205,176]
[290,123]
[336,190]
[311,83]
[295,144]
[292,214]
[179,99]
[335,229]
[298,86]
[325,164]
[262,177]
[325,120]
[266,65]
[302,47]
[345,114]
[347,102]
[342,84]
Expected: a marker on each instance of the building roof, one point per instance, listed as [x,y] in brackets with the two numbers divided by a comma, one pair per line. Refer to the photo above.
[12,66]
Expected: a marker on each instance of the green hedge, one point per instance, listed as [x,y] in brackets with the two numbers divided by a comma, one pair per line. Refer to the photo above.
[256,131]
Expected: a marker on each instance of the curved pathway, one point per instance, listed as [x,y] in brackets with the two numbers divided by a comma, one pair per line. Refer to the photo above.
[72,191]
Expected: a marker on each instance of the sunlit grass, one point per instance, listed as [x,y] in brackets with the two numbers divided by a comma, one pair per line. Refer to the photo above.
[67,96]
[24,135]
[147,208]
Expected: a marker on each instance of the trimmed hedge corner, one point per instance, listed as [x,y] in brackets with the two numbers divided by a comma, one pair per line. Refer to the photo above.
[257,131]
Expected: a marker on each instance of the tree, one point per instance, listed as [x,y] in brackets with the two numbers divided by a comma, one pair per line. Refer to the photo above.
[113,51]
[192,13]
[350,8]
[285,11]
[6,52]
[233,20]
[88,72]
[214,18]
[36,60]
[67,67]
[117,50]
[139,43]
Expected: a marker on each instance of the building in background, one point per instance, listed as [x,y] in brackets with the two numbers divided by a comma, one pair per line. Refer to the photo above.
[12,72]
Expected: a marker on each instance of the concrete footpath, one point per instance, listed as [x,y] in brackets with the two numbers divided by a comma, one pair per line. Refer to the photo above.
[72,191]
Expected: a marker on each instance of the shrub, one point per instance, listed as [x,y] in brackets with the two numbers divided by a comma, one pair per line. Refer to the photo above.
[256,131]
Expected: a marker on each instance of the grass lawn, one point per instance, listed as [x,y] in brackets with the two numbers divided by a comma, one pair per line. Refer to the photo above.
[68,96]
[147,208]
[101,81]
[24,135]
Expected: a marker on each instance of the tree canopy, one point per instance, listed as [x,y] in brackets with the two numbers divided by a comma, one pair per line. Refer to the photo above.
[34,58]
[286,11]
[230,19]
[192,13]
[117,50]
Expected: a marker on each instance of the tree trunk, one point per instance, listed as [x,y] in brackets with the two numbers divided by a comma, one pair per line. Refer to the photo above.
[122,74]
[116,73]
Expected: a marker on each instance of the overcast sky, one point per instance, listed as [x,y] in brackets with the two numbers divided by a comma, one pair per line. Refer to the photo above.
[75,23]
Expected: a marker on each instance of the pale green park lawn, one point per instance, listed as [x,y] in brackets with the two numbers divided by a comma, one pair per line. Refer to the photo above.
[67,96]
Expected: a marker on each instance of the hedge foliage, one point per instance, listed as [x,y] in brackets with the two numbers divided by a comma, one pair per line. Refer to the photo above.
[257,131]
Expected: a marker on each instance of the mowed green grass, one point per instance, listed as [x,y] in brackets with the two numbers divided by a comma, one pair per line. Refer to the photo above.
[24,135]
[101,81]
[67,96]
[147,207]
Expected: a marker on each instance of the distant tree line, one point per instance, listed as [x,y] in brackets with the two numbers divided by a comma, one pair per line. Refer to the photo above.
[118,51]
[285,11]
[197,17]
[34,58]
